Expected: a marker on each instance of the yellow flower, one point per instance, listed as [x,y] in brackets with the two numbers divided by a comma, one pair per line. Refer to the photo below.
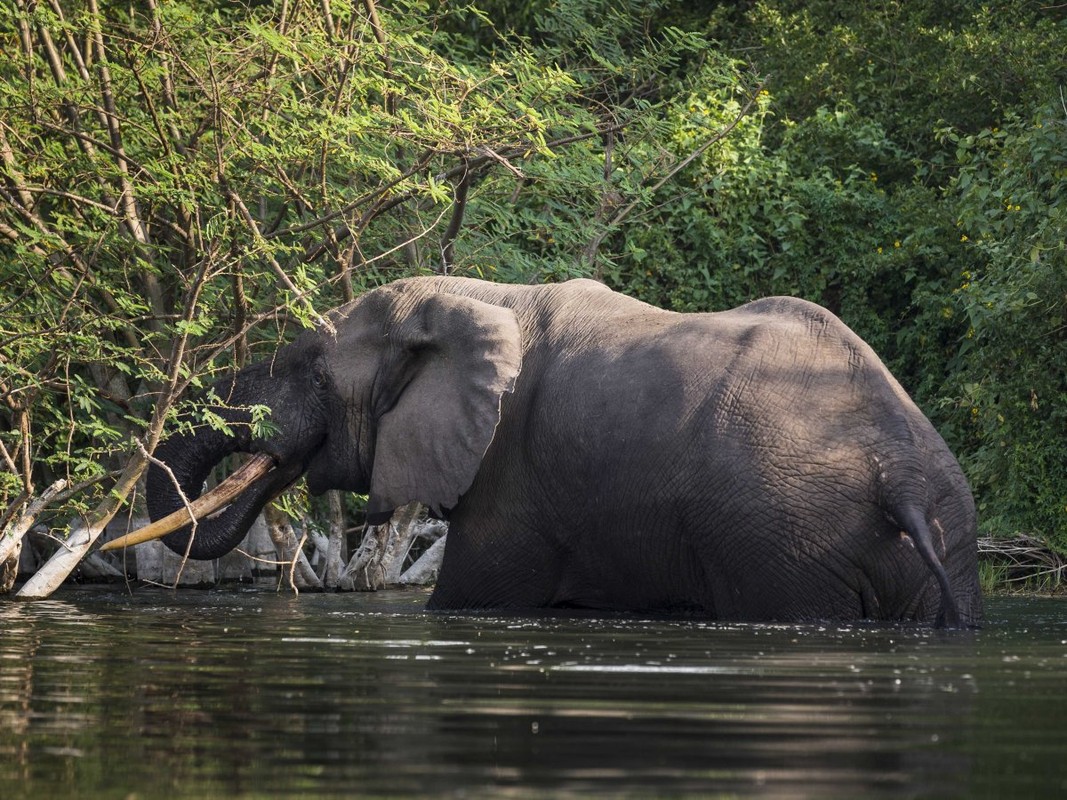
[879,249]
[874,177]
[896,243]
[964,238]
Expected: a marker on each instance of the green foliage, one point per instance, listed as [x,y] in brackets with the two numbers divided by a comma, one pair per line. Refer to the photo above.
[184,185]
[911,65]
[1009,196]
[541,220]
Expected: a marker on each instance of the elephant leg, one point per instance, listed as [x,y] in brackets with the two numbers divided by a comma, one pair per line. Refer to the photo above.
[759,580]
[482,570]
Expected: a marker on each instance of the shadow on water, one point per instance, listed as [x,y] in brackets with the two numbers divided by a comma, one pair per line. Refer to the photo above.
[256,694]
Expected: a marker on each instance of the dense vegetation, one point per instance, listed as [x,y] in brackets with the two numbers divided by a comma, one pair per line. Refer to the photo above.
[183,185]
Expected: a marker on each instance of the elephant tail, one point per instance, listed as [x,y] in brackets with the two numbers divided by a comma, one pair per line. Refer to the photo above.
[918,531]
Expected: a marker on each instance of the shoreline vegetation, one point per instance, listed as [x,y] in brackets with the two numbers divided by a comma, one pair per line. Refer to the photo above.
[1020,564]
[408,551]
[184,186]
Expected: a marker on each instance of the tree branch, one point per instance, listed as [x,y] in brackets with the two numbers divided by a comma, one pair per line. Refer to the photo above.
[473,166]
[459,206]
[590,252]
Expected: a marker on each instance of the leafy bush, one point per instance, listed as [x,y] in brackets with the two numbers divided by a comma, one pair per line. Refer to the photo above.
[913,66]
[1010,196]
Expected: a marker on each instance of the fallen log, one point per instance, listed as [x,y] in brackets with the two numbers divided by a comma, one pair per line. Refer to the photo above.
[11,538]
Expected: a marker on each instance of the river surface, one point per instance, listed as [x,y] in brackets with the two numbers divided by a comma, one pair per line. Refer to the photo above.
[252,693]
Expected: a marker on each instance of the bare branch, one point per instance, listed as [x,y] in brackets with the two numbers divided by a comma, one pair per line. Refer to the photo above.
[459,206]
[7,156]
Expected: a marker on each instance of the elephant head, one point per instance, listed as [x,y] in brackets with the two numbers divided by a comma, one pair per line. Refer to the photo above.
[397,395]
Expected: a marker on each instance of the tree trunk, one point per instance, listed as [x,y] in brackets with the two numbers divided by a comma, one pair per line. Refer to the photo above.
[296,571]
[379,561]
[9,567]
[337,549]
[424,571]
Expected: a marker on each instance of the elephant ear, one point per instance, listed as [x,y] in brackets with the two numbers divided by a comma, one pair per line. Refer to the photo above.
[456,358]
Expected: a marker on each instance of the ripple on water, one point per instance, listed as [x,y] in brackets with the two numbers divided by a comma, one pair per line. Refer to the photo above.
[198,694]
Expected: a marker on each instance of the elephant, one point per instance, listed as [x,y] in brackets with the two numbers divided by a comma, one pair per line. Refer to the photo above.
[591,451]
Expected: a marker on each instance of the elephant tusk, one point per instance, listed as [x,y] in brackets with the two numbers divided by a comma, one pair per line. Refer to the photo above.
[249,472]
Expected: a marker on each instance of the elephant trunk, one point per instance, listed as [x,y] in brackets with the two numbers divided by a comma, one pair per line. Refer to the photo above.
[188,460]
[184,461]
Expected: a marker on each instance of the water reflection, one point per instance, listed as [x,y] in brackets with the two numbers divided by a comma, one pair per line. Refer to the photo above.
[239,693]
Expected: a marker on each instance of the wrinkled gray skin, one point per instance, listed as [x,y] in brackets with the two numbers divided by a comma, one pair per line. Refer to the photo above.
[593,451]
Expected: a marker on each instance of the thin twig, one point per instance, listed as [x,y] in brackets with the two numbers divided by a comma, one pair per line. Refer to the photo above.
[194,522]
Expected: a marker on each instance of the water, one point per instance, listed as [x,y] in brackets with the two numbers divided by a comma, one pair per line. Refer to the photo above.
[248,693]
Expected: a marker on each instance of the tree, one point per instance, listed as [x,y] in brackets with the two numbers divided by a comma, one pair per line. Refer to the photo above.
[184,185]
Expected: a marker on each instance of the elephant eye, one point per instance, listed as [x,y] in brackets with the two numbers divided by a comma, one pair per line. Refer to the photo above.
[318,378]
